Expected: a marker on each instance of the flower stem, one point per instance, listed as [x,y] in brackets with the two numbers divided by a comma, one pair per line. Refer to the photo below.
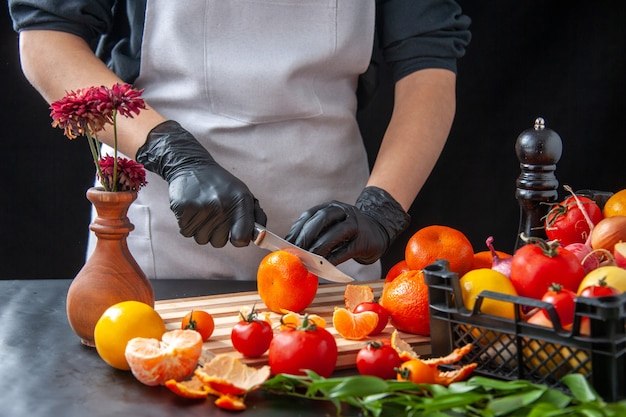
[95,152]
[115,150]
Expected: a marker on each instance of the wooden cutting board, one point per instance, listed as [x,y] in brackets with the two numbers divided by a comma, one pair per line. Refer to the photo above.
[225,311]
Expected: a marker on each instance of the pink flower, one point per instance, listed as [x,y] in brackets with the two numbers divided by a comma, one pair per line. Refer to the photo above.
[85,112]
[131,175]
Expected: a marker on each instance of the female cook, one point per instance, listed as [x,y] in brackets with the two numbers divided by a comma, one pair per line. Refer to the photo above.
[251,117]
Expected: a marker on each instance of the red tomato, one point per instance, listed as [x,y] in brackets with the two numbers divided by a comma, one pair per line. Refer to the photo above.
[305,347]
[567,223]
[563,301]
[396,270]
[601,289]
[200,321]
[251,337]
[417,371]
[536,265]
[383,315]
[378,358]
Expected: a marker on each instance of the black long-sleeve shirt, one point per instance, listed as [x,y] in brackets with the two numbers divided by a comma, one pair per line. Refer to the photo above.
[412,34]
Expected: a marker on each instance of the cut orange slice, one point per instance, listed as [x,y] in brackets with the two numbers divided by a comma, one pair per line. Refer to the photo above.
[354,326]
[357,294]
[226,374]
[293,320]
[175,356]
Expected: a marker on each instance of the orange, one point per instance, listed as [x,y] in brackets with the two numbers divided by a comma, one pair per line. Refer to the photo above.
[487,279]
[122,322]
[354,326]
[406,300]
[175,356]
[284,283]
[439,242]
[615,205]
[396,269]
[354,295]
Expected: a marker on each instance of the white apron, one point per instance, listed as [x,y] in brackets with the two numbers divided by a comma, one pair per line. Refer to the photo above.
[268,87]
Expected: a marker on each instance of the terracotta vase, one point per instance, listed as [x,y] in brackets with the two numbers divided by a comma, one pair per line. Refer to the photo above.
[111,274]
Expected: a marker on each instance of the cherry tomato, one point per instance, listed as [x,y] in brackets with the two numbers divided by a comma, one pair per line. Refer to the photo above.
[383,315]
[396,270]
[417,371]
[307,346]
[536,265]
[378,358]
[250,336]
[566,222]
[601,289]
[200,321]
[563,301]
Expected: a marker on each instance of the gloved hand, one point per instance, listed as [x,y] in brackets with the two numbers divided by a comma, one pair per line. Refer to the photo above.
[339,231]
[209,202]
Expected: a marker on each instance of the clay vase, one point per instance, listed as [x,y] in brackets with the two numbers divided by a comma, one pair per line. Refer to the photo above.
[111,274]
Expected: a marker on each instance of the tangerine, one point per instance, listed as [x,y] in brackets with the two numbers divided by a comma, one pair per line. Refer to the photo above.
[175,356]
[436,242]
[122,322]
[615,205]
[486,279]
[396,269]
[406,300]
[354,295]
[284,283]
[354,326]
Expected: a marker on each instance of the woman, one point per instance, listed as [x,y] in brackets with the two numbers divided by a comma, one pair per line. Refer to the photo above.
[252,118]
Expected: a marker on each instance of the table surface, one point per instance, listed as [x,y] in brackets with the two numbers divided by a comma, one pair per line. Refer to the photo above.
[46,371]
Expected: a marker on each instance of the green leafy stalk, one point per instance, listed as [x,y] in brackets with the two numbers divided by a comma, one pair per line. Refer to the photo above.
[477,397]
[94,147]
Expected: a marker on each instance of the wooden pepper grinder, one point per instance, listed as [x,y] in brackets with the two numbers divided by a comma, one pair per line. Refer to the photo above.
[538,150]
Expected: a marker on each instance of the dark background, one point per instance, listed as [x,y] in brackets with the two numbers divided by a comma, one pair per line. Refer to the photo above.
[562,60]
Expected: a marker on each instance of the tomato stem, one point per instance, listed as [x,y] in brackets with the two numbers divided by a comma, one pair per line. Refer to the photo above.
[192,325]
[548,248]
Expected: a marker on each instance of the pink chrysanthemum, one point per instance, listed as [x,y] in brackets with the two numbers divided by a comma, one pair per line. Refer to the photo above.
[131,175]
[85,112]
[80,112]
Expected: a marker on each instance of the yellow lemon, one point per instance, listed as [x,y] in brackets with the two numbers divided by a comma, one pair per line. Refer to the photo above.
[486,279]
[614,275]
[122,322]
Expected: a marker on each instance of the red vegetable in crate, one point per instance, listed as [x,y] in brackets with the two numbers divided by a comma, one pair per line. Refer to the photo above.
[536,265]
[600,289]
[566,222]
[378,358]
[306,346]
[563,301]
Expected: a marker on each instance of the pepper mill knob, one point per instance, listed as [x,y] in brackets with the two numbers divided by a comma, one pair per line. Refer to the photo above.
[538,150]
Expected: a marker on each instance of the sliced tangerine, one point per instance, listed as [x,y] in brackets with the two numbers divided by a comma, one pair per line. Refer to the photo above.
[175,356]
[293,320]
[354,326]
[192,388]
[357,294]
[226,374]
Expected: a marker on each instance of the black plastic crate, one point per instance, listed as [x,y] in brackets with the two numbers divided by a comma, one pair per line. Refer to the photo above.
[514,349]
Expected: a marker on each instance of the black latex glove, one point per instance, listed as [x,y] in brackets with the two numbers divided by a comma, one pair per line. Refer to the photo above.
[209,202]
[340,231]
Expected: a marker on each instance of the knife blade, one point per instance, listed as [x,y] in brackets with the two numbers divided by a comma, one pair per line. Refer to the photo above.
[316,264]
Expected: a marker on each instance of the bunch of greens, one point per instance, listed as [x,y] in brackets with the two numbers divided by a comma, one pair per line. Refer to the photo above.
[476,397]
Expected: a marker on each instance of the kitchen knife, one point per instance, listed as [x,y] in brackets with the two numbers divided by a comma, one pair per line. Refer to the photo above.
[316,264]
